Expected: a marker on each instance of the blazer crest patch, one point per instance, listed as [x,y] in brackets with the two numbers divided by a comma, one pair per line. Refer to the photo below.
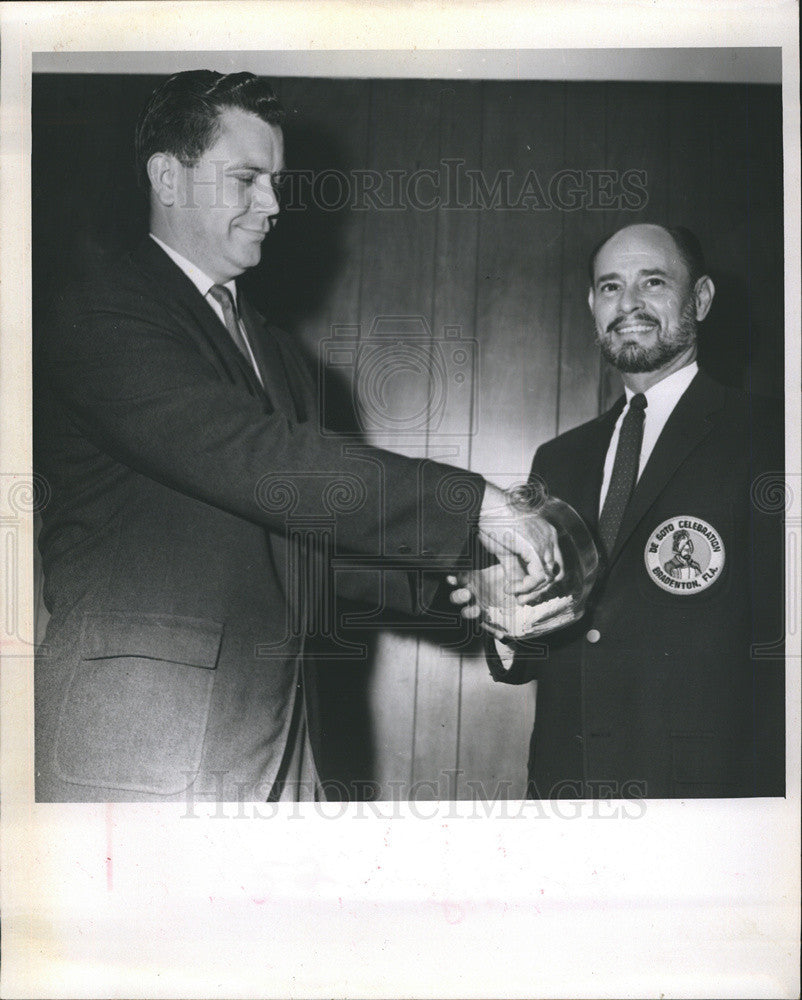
[684,555]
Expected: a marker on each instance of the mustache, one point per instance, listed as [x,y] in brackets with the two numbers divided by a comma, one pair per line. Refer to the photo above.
[641,317]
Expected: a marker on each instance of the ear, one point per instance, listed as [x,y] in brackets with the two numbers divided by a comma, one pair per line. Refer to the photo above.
[163,175]
[703,293]
[591,298]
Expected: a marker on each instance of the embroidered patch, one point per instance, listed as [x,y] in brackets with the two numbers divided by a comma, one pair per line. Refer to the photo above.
[684,555]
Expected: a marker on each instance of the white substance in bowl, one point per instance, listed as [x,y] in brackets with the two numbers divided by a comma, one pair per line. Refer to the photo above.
[520,619]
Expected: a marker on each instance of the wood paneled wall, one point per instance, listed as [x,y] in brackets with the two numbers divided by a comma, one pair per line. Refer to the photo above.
[511,279]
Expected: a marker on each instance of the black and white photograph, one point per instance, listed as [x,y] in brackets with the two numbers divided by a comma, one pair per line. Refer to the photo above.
[409,464]
[429,243]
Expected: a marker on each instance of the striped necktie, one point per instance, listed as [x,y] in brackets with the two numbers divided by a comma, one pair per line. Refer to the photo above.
[624,474]
[226,301]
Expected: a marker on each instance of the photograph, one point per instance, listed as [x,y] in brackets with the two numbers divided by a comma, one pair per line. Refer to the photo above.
[254,496]
[404,437]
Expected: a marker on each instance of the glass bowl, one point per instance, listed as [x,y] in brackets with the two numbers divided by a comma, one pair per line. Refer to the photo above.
[559,603]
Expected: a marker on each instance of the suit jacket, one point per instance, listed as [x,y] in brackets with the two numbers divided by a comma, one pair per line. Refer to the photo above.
[665,691]
[182,494]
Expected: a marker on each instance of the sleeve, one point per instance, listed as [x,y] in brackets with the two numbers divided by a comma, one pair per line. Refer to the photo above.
[134,383]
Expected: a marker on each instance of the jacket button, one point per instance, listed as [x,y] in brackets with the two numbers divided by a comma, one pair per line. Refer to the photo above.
[404,550]
[593,635]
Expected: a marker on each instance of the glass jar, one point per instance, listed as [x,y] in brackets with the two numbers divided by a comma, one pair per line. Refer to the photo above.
[559,603]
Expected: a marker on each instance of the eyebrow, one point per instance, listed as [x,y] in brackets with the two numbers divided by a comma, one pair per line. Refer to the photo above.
[253,167]
[646,273]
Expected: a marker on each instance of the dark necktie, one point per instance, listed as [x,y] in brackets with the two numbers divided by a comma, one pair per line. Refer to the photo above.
[625,472]
[226,300]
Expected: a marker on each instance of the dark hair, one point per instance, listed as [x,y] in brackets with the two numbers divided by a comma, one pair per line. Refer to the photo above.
[689,247]
[182,115]
[679,537]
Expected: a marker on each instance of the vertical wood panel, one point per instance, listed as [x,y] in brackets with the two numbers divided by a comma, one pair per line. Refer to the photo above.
[398,281]
[726,185]
[519,278]
[723,338]
[454,325]
[310,283]
[695,162]
[518,318]
[766,257]
[691,182]
[580,361]
[637,139]
[327,134]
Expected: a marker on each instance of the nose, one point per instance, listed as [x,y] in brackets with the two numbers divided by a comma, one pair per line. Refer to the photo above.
[631,299]
[264,198]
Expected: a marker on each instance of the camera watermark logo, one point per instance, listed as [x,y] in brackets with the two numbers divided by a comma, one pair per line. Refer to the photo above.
[402,378]
[775,497]
[21,498]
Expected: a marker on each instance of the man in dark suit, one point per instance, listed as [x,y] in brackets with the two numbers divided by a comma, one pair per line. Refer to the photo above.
[664,688]
[178,433]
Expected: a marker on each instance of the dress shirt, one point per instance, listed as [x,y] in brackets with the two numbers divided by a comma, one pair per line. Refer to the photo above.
[203,283]
[660,402]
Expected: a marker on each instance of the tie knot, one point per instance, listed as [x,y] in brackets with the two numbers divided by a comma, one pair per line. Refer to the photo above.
[638,402]
[223,296]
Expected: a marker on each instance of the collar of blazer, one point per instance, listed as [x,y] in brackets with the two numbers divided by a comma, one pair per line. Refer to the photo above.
[166,276]
[690,422]
[277,360]
[588,457]
[590,488]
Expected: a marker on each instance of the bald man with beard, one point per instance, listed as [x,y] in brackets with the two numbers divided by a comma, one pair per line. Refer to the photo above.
[660,690]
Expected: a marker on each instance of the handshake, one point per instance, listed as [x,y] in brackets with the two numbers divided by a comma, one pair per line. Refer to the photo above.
[538,565]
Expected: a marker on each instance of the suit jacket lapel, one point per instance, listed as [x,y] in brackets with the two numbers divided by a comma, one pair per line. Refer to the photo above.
[590,477]
[275,363]
[688,424]
[166,273]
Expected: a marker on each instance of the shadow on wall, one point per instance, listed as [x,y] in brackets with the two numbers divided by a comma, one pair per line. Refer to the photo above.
[731,339]
[303,255]
[301,260]
[346,755]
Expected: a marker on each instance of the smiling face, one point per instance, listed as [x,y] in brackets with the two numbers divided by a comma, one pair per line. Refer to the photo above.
[217,212]
[644,304]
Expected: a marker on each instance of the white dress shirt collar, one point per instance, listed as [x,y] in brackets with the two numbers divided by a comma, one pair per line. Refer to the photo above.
[666,393]
[200,280]
[203,283]
[660,402]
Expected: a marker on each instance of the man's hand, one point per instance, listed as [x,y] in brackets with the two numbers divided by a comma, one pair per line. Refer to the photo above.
[525,545]
[469,587]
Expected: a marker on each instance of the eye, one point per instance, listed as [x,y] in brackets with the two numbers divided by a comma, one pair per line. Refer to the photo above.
[608,287]
[654,282]
[244,176]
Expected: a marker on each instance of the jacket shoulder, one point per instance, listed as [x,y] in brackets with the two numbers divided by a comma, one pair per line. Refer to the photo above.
[756,422]
[577,440]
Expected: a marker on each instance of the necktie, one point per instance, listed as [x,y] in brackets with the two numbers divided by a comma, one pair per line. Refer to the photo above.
[624,474]
[224,297]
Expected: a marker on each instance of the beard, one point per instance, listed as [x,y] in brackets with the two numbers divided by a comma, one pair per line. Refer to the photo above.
[637,358]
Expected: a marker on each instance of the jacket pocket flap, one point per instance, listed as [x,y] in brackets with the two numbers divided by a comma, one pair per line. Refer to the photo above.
[173,638]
